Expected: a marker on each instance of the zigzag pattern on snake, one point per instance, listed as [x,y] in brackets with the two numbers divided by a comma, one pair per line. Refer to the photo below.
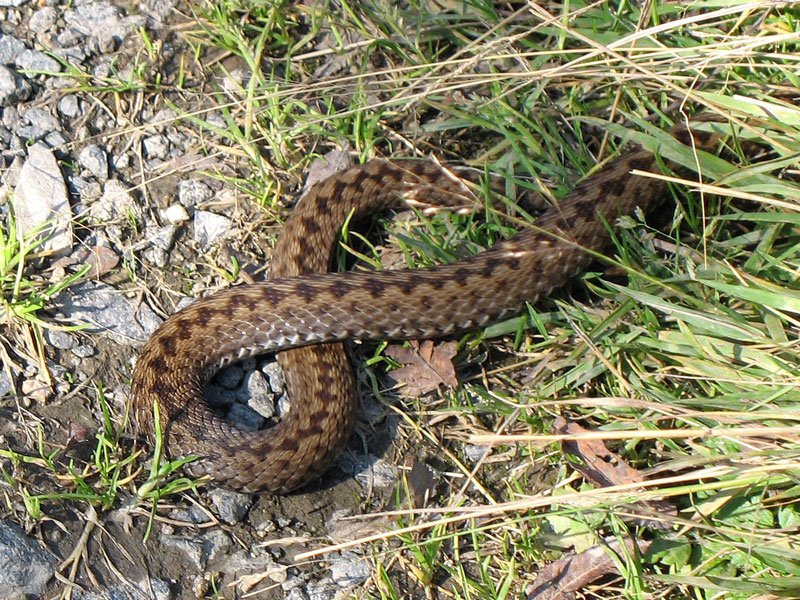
[305,308]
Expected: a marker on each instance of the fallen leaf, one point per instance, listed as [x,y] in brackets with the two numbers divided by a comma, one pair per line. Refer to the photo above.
[605,468]
[561,579]
[427,365]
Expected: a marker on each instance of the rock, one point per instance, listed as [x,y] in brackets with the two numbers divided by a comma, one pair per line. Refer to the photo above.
[59,339]
[257,394]
[13,88]
[25,565]
[55,139]
[191,193]
[115,203]
[70,106]
[157,589]
[84,351]
[108,312]
[10,48]
[13,3]
[231,506]
[176,213]
[41,123]
[43,19]
[244,417]
[209,227]
[33,61]
[369,471]
[102,20]
[274,375]
[201,549]
[6,385]
[230,377]
[94,159]
[475,453]
[242,567]
[324,589]
[350,569]
[218,396]
[156,147]
[40,200]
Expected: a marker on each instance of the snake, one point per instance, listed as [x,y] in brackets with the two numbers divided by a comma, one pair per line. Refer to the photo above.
[305,313]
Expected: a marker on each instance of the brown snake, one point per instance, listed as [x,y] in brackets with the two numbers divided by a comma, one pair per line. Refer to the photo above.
[311,312]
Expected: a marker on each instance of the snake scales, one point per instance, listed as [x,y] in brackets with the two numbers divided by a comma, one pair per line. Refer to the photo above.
[312,312]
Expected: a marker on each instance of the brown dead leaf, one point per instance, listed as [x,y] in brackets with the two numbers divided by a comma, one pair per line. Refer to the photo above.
[599,464]
[603,467]
[427,365]
[561,579]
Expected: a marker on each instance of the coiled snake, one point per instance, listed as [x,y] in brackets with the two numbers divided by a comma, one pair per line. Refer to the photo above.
[313,312]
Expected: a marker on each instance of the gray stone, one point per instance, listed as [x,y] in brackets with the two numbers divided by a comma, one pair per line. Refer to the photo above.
[231,506]
[296,594]
[10,48]
[209,227]
[55,139]
[43,19]
[369,471]
[219,396]
[475,453]
[116,203]
[40,200]
[202,549]
[244,417]
[156,147]
[108,312]
[70,106]
[88,190]
[6,385]
[12,3]
[176,213]
[59,339]
[324,589]
[84,351]
[230,377]
[274,375]
[156,589]
[13,89]
[41,118]
[69,37]
[350,569]
[192,192]
[162,237]
[25,566]
[283,405]
[35,61]
[96,19]
[257,394]
[241,565]
[94,159]
[11,118]
[157,11]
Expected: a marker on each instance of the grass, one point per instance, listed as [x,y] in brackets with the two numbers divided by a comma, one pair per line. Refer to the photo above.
[677,350]
[25,296]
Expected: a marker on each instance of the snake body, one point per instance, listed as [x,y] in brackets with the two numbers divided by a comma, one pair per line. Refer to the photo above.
[303,307]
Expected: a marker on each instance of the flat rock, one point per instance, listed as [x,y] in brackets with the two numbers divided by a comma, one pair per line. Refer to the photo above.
[108,312]
[209,227]
[40,200]
[25,565]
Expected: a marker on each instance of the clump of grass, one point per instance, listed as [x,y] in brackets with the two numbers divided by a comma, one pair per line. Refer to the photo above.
[24,296]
